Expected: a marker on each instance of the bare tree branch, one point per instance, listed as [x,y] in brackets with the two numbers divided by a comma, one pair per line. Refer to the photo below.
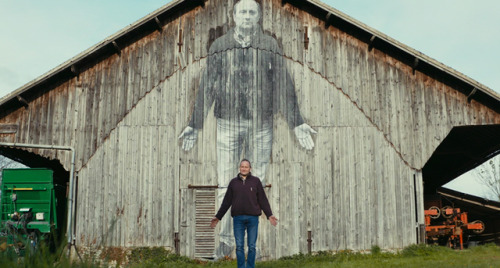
[488,174]
[8,163]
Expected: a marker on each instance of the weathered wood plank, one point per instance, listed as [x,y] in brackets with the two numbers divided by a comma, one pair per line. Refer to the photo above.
[8,128]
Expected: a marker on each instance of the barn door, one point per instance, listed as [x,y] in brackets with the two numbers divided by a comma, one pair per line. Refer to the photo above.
[198,208]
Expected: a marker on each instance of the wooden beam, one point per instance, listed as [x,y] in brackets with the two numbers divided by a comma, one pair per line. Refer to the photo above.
[74,70]
[22,101]
[158,24]
[471,95]
[8,128]
[370,44]
[327,20]
[190,186]
[415,65]
[117,48]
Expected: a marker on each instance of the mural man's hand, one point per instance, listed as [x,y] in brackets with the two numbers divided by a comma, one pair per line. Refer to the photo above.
[303,134]
[190,135]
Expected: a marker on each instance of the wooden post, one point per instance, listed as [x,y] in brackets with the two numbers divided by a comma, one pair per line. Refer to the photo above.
[309,242]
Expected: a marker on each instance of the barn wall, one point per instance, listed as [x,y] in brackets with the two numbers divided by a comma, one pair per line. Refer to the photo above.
[377,124]
[352,193]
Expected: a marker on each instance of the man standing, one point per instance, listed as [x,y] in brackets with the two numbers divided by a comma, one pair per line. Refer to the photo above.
[247,199]
[247,82]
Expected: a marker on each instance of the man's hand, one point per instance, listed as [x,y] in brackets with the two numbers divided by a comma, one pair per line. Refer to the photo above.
[214,222]
[303,134]
[190,136]
[273,220]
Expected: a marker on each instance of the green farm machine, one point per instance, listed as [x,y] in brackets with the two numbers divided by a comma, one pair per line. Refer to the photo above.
[32,209]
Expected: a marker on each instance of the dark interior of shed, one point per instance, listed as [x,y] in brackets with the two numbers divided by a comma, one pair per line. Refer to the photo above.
[61,176]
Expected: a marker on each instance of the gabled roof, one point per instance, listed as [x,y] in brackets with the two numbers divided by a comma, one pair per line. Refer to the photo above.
[332,17]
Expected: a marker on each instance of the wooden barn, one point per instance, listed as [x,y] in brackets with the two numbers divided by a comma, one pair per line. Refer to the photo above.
[349,129]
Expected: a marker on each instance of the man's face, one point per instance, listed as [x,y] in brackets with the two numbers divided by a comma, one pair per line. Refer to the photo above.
[246,14]
[244,168]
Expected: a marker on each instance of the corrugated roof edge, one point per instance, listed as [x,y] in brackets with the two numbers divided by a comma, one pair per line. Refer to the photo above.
[380,36]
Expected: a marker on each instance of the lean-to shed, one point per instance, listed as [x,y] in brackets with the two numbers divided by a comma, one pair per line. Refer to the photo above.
[392,125]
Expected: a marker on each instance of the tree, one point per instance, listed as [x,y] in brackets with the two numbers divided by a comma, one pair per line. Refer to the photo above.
[488,174]
[8,163]
[4,163]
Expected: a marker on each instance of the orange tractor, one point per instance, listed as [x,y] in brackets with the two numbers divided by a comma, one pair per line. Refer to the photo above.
[446,226]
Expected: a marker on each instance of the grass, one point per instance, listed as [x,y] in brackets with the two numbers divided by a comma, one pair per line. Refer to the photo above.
[42,258]
[412,256]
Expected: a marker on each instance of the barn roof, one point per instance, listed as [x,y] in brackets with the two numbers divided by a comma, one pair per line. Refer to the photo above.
[332,17]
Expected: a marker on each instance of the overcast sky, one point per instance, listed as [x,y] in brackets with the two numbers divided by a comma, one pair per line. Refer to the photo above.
[37,36]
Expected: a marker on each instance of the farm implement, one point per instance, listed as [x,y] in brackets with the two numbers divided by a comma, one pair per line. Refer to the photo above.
[446,226]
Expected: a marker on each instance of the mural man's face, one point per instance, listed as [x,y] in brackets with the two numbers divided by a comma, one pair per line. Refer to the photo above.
[246,14]
[244,168]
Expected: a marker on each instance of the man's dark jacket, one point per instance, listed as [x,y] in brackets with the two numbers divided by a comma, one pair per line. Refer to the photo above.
[245,197]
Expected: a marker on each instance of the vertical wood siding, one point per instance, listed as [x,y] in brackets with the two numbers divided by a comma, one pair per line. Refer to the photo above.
[377,125]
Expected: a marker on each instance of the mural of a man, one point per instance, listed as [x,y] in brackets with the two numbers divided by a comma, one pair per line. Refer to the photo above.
[247,82]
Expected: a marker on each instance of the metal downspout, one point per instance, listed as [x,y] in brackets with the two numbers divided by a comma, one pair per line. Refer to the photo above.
[71,177]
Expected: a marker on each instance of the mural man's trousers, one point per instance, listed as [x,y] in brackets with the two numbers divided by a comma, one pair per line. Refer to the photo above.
[254,140]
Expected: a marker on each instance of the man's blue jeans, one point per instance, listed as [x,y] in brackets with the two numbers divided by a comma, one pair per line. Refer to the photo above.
[250,224]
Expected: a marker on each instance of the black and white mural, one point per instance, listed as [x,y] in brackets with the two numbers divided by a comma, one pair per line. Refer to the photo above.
[247,82]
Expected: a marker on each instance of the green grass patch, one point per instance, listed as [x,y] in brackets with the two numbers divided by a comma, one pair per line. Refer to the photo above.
[158,257]
[412,256]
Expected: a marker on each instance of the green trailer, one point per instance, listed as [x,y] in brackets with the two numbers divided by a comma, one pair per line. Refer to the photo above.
[31,204]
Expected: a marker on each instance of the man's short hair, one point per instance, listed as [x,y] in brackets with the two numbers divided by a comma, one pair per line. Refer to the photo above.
[246,160]
[237,3]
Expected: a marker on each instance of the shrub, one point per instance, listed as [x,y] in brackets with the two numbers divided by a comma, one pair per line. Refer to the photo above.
[376,250]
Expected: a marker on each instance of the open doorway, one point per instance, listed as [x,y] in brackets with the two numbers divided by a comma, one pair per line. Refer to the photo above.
[465,148]
[34,205]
